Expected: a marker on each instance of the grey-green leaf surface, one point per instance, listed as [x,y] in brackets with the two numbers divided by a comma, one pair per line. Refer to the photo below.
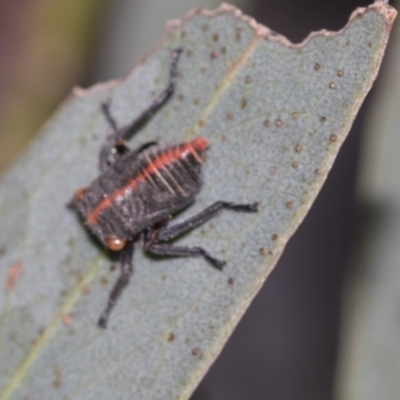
[275,114]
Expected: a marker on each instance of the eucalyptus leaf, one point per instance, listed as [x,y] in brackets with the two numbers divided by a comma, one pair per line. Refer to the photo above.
[275,114]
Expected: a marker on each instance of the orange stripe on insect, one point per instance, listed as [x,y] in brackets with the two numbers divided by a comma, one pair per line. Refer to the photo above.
[108,201]
[153,168]
[200,144]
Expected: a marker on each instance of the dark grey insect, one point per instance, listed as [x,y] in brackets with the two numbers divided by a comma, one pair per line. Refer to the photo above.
[139,190]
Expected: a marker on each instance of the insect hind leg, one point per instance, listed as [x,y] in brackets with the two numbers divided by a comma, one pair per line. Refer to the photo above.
[169,233]
[156,241]
[126,272]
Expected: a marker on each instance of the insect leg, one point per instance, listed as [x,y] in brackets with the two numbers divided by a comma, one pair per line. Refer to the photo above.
[111,144]
[126,271]
[170,232]
[166,249]
[158,102]
[117,135]
[156,241]
[105,107]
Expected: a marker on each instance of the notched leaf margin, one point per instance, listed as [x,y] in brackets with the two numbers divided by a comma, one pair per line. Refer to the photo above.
[380,6]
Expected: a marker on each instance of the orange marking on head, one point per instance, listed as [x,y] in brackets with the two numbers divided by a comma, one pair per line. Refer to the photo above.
[79,194]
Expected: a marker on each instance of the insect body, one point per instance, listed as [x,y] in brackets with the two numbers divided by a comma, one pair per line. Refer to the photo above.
[142,189]
[138,192]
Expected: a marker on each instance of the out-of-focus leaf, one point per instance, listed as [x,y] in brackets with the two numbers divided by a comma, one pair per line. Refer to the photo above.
[275,115]
[48,44]
[370,351]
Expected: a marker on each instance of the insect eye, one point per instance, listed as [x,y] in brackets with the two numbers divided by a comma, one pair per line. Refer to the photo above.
[114,243]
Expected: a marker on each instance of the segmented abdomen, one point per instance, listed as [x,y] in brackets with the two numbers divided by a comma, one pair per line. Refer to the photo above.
[141,190]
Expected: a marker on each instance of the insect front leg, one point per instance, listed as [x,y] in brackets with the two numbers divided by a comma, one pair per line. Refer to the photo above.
[126,271]
[156,241]
[115,140]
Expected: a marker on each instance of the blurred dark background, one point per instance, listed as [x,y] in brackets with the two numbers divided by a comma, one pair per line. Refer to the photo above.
[286,345]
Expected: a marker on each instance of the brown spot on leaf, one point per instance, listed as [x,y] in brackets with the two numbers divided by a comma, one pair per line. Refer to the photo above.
[13,274]
[332,85]
[230,281]
[214,55]
[272,170]
[205,27]
[57,377]
[323,119]
[317,66]
[85,289]
[266,123]
[197,353]
[295,115]
[295,164]
[181,97]
[340,73]
[243,103]
[274,236]
[57,383]
[67,319]
[278,123]
[189,53]
[196,102]
[170,337]
[289,205]
[248,79]
[103,280]
[201,122]
[229,117]
[333,138]
[223,50]
[298,148]
[215,37]
[238,34]
[262,251]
